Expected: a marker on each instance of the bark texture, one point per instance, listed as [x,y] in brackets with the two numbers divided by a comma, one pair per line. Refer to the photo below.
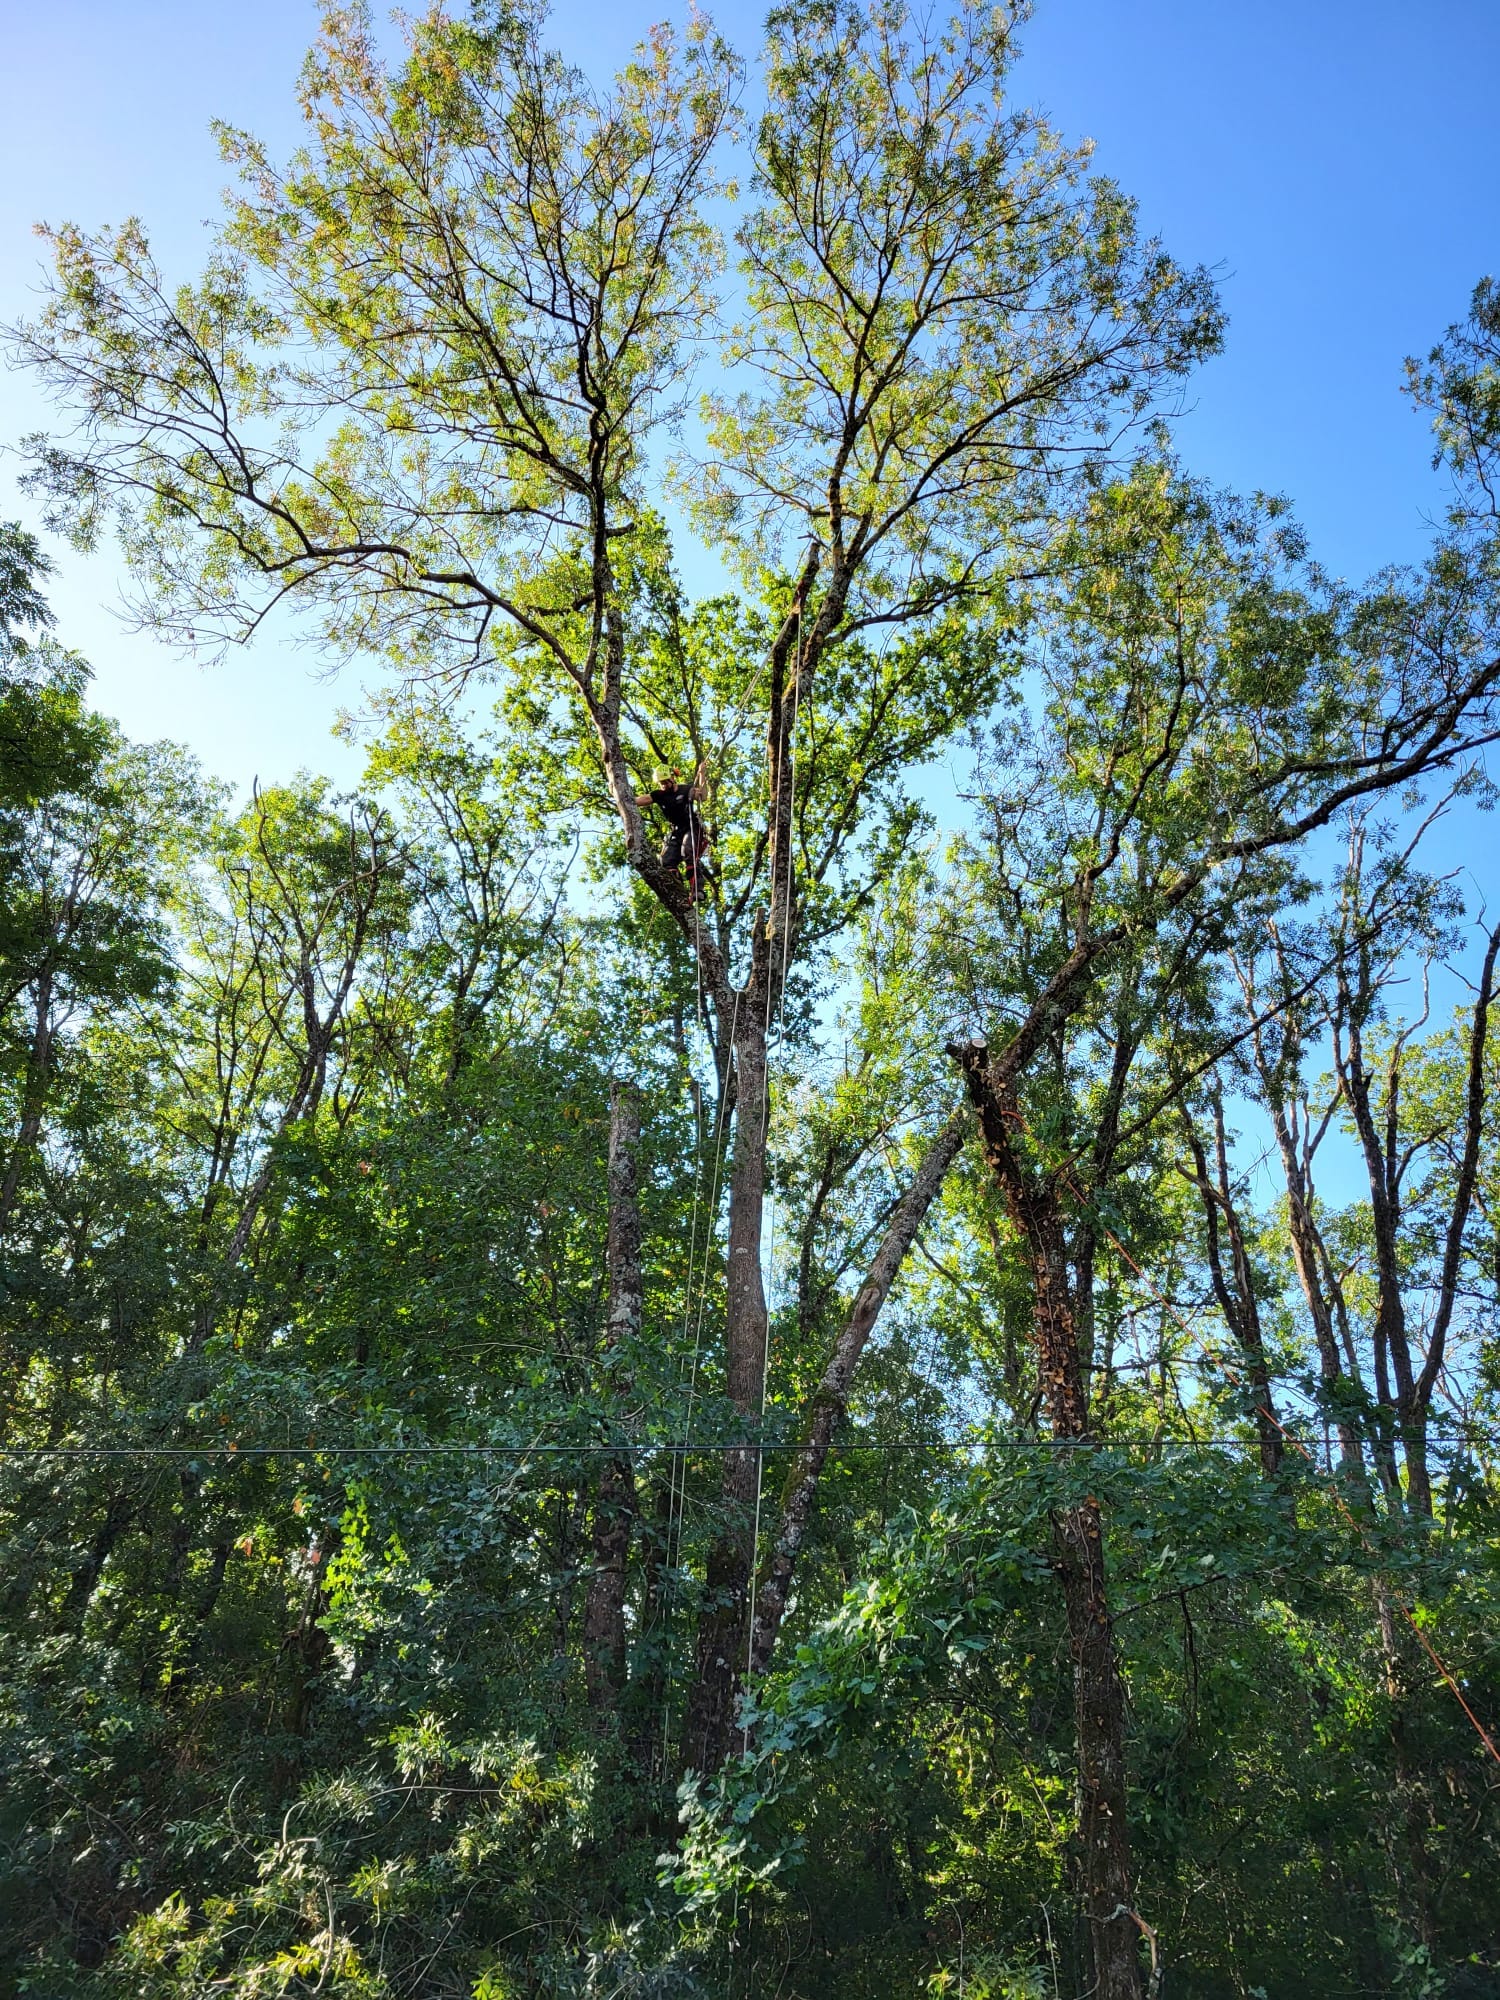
[1234,1283]
[1385,1169]
[614,1510]
[722,1638]
[1388,1152]
[1107,1881]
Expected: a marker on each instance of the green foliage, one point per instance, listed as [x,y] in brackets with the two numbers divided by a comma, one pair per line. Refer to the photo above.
[320,1167]
[323,1447]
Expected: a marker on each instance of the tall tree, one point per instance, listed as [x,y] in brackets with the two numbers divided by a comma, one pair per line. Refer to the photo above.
[1207,704]
[420,387]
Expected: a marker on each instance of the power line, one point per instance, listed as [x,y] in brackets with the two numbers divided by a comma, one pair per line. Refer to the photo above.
[673,1448]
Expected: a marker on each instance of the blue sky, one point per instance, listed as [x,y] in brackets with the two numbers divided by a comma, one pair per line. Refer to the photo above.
[1334,160]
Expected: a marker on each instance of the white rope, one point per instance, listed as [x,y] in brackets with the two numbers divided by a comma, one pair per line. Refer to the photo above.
[677,1476]
[765,1358]
[677,1483]
[720,1148]
[743,710]
[687,1296]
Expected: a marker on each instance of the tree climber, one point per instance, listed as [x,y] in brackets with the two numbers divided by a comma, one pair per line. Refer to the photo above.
[688,839]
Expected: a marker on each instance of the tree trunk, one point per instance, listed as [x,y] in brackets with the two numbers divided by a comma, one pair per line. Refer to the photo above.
[1099,1719]
[724,1626]
[118,1514]
[722,1642]
[615,1499]
[647,1735]
[1475,1098]
[1098,1695]
[744,1019]
[34,1100]
[832,1398]
[1237,1301]
[604,1603]
[1303,1233]
[745,1292]
[1384,1175]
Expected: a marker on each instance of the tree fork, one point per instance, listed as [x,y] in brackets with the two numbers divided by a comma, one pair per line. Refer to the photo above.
[726,1624]
[1237,1302]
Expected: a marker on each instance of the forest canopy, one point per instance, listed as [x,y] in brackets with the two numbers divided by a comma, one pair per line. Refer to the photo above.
[805,1305]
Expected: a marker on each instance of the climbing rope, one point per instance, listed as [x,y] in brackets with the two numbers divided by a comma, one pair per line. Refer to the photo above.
[677,1477]
[677,1487]
[733,728]
[775,991]
[780,989]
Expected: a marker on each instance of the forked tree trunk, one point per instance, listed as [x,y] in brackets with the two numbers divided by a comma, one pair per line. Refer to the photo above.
[1384,1171]
[724,1623]
[615,1498]
[1107,1882]
[1234,1288]
[118,1514]
[1303,1235]
[1380,1139]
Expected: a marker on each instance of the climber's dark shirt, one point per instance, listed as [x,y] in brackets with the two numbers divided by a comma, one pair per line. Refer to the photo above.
[676,804]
